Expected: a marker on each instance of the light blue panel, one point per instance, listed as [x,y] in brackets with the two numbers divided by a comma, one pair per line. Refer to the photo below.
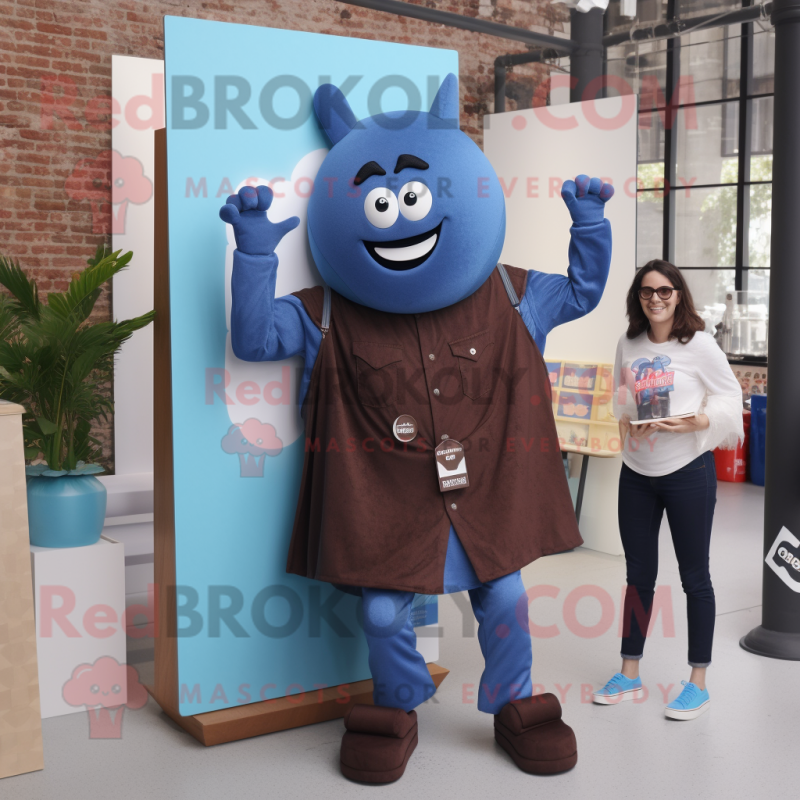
[232,531]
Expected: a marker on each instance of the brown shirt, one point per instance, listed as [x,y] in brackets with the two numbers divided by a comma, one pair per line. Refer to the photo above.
[370,512]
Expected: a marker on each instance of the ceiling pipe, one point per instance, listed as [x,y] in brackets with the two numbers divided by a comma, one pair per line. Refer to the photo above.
[501,64]
[474,24]
[678,27]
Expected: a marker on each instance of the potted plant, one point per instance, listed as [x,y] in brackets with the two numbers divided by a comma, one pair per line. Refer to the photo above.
[52,362]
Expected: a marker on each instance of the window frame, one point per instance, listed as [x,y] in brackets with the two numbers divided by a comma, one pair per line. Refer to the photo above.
[744,102]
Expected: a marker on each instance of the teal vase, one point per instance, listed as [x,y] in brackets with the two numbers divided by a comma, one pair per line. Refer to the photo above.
[67,511]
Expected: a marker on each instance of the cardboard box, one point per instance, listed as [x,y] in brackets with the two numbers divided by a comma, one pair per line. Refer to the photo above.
[20,720]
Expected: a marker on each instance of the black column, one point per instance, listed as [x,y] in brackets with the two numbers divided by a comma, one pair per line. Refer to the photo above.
[586,60]
[778,635]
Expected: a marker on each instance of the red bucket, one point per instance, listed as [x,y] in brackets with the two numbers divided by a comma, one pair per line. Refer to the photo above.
[732,465]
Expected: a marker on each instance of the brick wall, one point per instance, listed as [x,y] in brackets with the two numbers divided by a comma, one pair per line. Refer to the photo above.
[55,83]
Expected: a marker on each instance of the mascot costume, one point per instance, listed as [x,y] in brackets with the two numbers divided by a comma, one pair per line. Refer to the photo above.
[432,462]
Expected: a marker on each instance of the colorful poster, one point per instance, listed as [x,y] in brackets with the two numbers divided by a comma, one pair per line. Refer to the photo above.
[239,111]
[579,376]
[574,405]
[653,384]
[554,371]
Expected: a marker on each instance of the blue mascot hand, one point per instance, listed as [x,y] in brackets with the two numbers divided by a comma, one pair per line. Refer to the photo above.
[586,198]
[247,212]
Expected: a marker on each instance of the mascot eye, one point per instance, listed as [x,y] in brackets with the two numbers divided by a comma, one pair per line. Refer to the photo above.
[94,689]
[415,200]
[380,206]
[116,688]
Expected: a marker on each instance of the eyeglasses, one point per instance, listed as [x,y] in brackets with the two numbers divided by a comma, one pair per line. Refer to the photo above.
[664,292]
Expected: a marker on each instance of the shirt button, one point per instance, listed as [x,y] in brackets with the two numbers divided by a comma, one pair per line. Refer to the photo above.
[431,356]
[472,351]
[453,506]
[445,436]
[436,392]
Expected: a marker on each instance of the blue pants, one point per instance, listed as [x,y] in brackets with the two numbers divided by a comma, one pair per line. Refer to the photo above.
[401,678]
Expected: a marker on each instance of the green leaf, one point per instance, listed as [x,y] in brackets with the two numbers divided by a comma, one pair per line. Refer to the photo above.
[31,453]
[57,364]
[8,319]
[24,292]
[84,290]
[45,426]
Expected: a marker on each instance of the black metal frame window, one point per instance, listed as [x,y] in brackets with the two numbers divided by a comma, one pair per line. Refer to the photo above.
[705,149]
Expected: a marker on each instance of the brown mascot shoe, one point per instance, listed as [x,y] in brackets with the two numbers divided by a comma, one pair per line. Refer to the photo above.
[377,743]
[532,733]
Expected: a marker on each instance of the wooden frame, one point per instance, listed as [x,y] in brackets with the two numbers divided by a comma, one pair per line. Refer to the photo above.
[240,722]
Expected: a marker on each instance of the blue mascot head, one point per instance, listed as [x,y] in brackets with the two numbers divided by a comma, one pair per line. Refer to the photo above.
[407,214]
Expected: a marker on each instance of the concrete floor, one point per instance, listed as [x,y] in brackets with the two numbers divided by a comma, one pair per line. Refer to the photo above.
[743,747]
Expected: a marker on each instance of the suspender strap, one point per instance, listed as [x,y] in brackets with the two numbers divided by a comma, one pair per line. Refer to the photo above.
[512,295]
[326,311]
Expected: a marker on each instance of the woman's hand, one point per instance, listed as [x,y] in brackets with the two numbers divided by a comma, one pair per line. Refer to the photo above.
[624,430]
[686,425]
[634,431]
[642,431]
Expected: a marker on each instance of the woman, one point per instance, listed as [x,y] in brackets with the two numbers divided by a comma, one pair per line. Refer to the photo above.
[666,362]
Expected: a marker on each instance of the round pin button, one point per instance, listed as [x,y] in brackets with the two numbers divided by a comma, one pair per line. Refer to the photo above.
[472,351]
[405,428]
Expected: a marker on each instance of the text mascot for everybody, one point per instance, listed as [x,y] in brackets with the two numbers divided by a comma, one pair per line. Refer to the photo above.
[432,463]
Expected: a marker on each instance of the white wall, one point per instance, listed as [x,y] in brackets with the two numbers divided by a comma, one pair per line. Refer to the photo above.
[533,152]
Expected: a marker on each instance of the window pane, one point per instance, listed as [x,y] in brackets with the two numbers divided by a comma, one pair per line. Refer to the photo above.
[708,143]
[705,227]
[763,81]
[760,225]
[649,227]
[708,288]
[756,282]
[616,67]
[761,139]
[750,315]
[647,71]
[650,176]
[651,151]
[711,70]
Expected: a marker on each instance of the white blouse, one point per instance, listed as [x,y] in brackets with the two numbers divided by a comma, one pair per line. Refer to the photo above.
[659,380]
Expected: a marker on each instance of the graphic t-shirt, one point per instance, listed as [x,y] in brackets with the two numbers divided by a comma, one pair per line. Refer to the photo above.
[653,381]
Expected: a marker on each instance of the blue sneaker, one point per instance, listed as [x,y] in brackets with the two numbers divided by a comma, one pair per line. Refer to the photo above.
[619,688]
[689,704]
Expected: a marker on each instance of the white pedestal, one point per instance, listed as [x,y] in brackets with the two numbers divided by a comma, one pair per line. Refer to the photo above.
[79,596]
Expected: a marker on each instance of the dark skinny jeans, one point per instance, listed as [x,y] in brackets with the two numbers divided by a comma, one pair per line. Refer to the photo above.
[688,495]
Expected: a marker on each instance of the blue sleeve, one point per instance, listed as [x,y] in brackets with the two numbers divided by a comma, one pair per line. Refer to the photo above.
[264,328]
[551,299]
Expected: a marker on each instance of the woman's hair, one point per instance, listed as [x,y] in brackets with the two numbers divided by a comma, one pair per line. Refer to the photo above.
[686,322]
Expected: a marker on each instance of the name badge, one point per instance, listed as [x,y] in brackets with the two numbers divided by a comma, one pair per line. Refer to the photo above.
[405,428]
[451,465]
